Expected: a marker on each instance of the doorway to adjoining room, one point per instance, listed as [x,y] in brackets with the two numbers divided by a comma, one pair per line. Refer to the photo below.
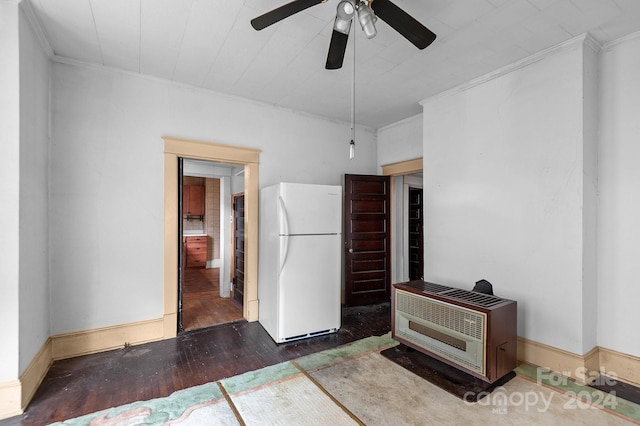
[208,263]
[408,237]
[413,202]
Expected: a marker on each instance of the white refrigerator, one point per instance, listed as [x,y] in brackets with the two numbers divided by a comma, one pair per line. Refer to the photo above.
[299,269]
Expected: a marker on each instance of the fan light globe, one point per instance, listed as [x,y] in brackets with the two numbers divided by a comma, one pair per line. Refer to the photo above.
[367,20]
[346,9]
[344,15]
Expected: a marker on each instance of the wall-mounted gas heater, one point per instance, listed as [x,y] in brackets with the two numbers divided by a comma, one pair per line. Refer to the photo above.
[472,331]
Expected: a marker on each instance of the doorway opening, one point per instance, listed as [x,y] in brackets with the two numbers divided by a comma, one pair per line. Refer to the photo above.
[413,218]
[237,247]
[207,260]
[248,158]
[407,236]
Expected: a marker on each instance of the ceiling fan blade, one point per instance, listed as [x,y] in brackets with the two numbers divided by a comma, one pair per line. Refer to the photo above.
[337,47]
[276,15]
[403,23]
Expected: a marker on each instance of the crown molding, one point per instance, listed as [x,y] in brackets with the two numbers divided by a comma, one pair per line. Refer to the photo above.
[105,68]
[27,9]
[612,44]
[400,122]
[592,43]
[514,66]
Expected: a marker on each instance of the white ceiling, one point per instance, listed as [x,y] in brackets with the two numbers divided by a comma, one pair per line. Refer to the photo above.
[211,44]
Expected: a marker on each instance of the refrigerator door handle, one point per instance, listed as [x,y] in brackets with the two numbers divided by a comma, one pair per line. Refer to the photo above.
[284,251]
[284,232]
[284,219]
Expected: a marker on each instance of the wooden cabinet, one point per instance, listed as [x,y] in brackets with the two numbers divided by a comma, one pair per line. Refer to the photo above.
[196,251]
[193,200]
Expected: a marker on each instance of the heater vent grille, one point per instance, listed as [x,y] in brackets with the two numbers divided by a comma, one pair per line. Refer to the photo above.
[435,288]
[450,331]
[448,316]
[478,299]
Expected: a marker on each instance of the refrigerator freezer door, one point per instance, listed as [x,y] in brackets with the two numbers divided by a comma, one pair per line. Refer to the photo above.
[310,209]
[309,293]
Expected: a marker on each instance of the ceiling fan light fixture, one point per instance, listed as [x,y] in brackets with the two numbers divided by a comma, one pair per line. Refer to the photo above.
[367,20]
[406,25]
[346,9]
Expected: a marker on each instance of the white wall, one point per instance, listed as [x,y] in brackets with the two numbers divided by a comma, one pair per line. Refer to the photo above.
[610,132]
[619,203]
[400,141]
[9,189]
[34,194]
[24,264]
[590,122]
[503,176]
[107,167]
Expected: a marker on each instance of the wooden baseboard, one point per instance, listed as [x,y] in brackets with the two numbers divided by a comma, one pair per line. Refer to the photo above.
[16,394]
[10,399]
[551,358]
[103,339]
[251,310]
[170,325]
[618,365]
[581,368]
[35,373]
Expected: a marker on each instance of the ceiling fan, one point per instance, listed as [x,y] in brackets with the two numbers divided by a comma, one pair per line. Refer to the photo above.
[366,12]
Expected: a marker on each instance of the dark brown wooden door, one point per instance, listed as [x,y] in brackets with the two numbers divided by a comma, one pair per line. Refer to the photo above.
[416,248]
[238,248]
[182,242]
[367,238]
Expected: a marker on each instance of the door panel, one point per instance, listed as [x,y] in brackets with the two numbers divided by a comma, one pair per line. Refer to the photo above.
[238,249]
[182,258]
[375,245]
[416,238]
[367,239]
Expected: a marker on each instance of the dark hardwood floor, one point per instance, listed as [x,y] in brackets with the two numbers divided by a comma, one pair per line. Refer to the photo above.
[202,305]
[82,385]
